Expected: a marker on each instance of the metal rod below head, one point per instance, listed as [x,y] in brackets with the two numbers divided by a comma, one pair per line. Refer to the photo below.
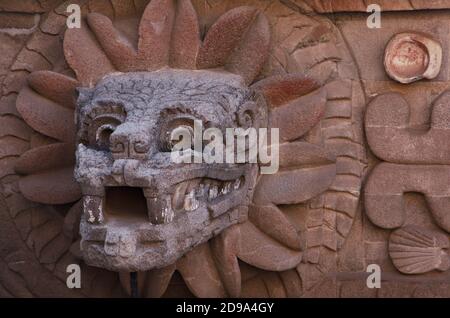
[134,285]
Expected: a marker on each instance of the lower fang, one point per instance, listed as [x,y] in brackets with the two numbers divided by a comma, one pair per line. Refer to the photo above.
[226,188]
[237,184]
[178,197]
[201,191]
[93,207]
[160,210]
[190,202]
[213,192]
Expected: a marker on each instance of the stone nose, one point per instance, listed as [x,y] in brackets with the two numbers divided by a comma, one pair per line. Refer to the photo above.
[129,145]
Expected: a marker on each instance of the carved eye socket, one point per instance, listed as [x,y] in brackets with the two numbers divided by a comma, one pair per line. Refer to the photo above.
[99,124]
[100,130]
[103,135]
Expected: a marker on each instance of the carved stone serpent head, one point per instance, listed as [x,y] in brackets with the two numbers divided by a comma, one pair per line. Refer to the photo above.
[140,209]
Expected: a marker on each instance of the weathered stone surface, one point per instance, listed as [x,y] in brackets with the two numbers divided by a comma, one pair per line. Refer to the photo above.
[185,38]
[388,183]
[391,139]
[178,201]
[17,20]
[386,5]
[416,250]
[217,46]
[151,284]
[273,222]
[302,232]
[43,158]
[29,6]
[224,249]
[54,187]
[369,45]
[13,126]
[304,112]
[56,87]
[261,251]
[294,186]
[199,273]
[88,61]
[46,116]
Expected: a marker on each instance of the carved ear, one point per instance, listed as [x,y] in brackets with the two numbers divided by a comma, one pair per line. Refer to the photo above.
[251,114]
[239,41]
[296,103]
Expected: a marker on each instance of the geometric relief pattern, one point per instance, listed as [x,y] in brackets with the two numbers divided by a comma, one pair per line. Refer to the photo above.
[415,161]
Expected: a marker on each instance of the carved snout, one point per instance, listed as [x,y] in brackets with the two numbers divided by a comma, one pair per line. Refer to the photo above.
[127,142]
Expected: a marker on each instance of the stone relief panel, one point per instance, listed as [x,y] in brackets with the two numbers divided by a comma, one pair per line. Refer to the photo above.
[406,189]
[354,109]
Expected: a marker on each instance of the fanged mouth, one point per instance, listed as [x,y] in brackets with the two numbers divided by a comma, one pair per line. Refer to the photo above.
[137,204]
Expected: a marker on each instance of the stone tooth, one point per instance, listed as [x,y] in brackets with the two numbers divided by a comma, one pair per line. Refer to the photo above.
[226,188]
[93,207]
[201,191]
[168,212]
[213,192]
[237,184]
[160,209]
[190,202]
[417,250]
[178,197]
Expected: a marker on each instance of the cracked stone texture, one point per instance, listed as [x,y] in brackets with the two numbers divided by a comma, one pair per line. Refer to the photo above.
[151,101]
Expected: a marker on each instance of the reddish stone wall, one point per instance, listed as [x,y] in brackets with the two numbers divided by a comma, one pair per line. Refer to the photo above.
[330,6]
[362,217]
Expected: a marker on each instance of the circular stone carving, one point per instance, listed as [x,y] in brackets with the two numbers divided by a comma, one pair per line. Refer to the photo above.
[409,57]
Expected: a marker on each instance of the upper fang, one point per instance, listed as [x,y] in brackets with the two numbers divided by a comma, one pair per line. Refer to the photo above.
[213,192]
[190,202]
[237,184]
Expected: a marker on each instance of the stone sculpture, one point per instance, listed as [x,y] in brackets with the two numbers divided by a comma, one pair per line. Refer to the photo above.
[86,176]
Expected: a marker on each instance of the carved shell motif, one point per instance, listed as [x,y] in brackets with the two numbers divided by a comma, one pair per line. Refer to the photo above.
[416,250]
[238,42]
[410,57]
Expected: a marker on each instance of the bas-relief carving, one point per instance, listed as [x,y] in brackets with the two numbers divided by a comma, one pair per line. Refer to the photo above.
[416,250]
[118,143]
[416,159]
[276,235]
